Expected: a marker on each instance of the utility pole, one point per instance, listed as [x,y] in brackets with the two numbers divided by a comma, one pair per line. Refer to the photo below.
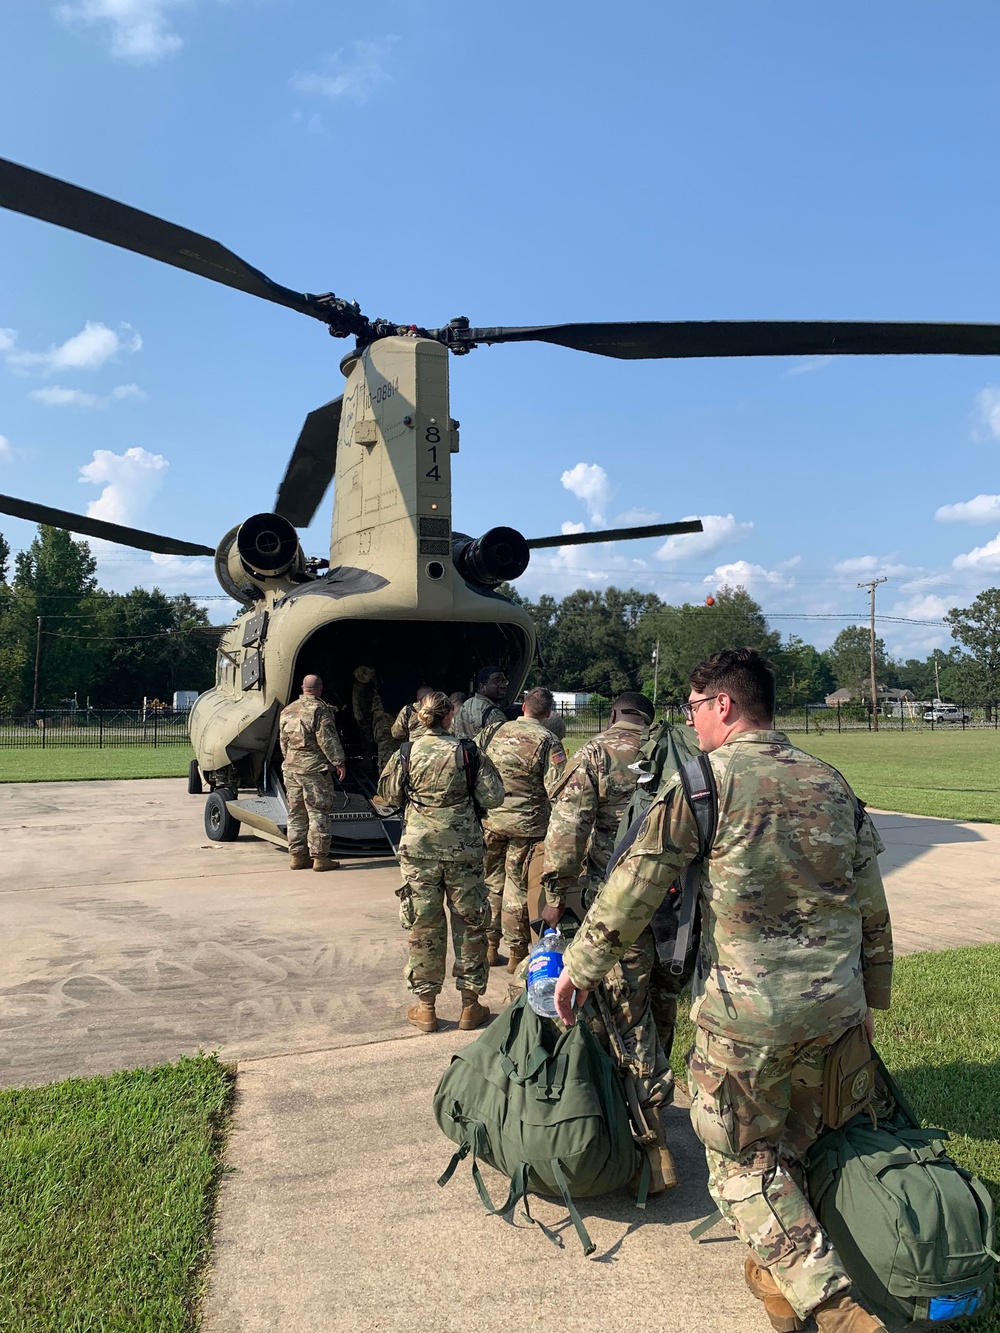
[937,681]
[656,670]
[38,658]
[871,586]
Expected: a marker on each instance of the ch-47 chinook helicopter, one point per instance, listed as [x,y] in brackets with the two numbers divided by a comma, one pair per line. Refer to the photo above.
[403,592]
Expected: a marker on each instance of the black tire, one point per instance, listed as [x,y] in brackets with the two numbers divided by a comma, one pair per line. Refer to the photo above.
[219,823]
[194,779]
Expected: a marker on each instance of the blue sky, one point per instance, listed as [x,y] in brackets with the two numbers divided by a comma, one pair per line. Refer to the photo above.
[526,164]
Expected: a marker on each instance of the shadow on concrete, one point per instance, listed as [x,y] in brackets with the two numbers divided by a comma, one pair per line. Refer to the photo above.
[908,837]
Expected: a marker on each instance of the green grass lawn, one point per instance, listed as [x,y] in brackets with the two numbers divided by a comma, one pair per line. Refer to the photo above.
[941,1040]
[55,764]
[950,774]
[108,1188]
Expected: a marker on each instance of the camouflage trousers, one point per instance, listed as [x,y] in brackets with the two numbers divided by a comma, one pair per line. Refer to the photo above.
[758,1110]
[629,995]
[429,886]
[505,868]
[310,805]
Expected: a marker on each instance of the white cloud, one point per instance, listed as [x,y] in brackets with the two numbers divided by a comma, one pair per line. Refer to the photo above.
[55,396]
[566,528]
[980,557]
[6,452]
[718,530]
[8,337]
[90,349]
[355,77]
[589,483]
[922,607]
[987,415]
[754,578]
[130,481]
[981,509]
[876,565]
[813,363]
[139,30]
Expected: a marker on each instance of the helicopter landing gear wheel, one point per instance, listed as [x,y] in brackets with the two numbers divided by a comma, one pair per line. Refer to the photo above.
[194,779]
[219,823]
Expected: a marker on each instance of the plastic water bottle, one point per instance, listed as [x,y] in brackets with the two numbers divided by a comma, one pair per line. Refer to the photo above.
[544,966]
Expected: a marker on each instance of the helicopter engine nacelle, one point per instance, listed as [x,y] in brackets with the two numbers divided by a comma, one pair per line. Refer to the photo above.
[496,557]
[263,548]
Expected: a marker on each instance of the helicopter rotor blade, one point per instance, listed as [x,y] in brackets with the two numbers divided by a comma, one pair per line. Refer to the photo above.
[616,534]
[711,338]
[39,196]
[98,527]
[311,466]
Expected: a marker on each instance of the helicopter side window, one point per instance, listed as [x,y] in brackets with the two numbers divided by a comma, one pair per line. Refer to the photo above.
[225,670]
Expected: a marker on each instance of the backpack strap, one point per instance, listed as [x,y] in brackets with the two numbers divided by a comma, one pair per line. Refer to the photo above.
[404,762]
[702,794]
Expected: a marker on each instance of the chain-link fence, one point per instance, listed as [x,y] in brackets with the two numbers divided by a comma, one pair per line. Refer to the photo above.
[583,722]
[94,728]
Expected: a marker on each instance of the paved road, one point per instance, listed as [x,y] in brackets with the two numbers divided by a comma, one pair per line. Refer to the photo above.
[130,939]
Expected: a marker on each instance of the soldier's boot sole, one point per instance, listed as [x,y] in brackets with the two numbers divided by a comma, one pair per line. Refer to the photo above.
[782,1317]
[474,1014]
[299,861]
[422,1016]
[325,863]
[842,1314]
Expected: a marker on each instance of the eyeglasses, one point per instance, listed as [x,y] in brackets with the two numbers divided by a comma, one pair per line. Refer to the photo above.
[690,709]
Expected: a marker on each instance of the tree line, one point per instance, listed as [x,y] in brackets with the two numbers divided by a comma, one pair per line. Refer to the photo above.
[603,642]
[111,649]
[117,648]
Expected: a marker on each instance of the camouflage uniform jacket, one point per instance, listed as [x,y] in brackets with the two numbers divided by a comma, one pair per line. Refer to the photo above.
[308,736]
[587,806]
[440,819]
[471,717]
[795,933]
[529,760]
[406,726]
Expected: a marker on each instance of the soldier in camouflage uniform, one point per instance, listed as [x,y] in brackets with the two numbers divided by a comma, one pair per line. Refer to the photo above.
[491,690]
[795,950]
[441,857]
[406,726]
[587,807]
[371,718]
[310,746]
[529,760]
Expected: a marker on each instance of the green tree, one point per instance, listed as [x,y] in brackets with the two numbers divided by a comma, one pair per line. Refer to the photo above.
[151,645]
[803,674]
[688,634]
[849,658]
[55,580]
[977,629]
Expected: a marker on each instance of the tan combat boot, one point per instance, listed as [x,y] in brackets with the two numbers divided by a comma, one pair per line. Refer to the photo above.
[842,1314]
[517,957]
[493,956]
[783,1318]
[473,1013]
[325,863]
[422,1015]
[299,860]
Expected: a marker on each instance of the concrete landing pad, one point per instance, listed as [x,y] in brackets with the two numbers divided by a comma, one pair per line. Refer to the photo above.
[333,1220]
[129,938]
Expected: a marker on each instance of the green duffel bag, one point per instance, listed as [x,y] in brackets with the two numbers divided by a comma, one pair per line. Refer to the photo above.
[544,1107]
[915,1231]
